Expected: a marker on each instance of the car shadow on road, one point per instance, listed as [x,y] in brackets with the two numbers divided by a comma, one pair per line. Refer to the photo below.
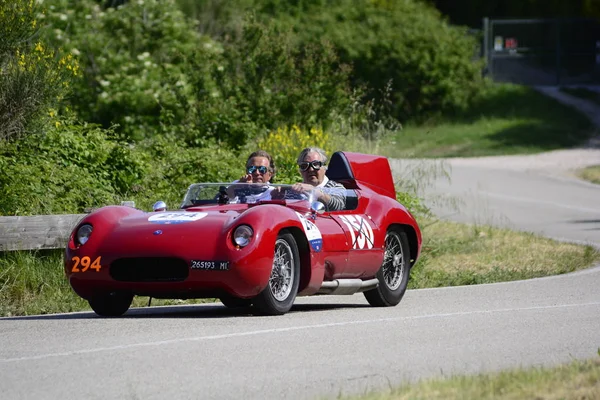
[208,311]
[587,221]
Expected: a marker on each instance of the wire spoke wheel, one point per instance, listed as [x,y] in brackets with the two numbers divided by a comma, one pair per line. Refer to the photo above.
[279,295]
[394,272]
[282,275]
[393,261]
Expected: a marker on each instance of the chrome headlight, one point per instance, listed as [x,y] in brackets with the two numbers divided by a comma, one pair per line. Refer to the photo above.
[83,233]
[242,235]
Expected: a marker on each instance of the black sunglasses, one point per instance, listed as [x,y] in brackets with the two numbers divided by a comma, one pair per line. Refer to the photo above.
[261,169]
[315,164]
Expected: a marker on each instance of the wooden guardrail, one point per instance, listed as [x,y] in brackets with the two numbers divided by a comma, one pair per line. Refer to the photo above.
[37,232]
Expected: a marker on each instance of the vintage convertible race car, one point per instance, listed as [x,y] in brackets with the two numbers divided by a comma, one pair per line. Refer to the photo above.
[247,246]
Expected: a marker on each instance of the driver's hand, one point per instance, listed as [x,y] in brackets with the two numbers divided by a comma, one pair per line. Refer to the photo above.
[246,178]
[278,193]
[302,187]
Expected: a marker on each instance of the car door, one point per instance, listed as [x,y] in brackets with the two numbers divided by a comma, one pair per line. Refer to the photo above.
[334,244]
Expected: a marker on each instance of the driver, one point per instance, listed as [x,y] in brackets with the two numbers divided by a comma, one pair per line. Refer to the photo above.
[260,168]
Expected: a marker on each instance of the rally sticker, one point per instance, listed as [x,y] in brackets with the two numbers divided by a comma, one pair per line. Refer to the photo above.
[313,234]
[360,231]
[176,217]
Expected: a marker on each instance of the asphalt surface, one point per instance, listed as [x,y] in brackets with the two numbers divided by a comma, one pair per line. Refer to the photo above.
[528,193]
[324,347]
[335,345]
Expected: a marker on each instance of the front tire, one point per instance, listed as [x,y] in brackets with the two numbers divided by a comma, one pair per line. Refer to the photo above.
[279,295]
[394,272]
[113,304]
[235,302]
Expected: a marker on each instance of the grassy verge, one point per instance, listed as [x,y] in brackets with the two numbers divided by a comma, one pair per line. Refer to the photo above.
[591,174]
[507,119]
[456,254]
[577,380]
[453,254]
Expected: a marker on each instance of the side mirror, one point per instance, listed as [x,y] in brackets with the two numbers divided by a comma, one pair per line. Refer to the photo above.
[159,206]
[317,207]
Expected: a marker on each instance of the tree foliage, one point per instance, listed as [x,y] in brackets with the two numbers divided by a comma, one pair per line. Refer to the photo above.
[33,78]
[471,12]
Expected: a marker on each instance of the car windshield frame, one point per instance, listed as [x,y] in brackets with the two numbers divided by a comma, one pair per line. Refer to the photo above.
[201,194]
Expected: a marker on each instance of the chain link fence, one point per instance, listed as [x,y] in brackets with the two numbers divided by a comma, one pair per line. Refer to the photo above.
[542,51]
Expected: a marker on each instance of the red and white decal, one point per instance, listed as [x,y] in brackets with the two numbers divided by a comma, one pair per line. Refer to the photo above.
[313,234]
[361,232]
[176,217]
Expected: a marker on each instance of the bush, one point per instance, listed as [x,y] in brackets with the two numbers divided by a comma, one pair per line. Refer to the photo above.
[132,58]
[33,78]
[148,70]
[429,62]
[69,168]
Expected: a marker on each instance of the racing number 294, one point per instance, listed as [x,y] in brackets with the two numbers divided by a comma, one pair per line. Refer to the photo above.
[85,263]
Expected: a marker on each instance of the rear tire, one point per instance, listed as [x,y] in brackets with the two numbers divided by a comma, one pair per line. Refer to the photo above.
[279,295]
[113,304]
[394,272]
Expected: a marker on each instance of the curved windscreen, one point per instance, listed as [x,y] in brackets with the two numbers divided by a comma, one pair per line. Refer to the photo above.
[242,193]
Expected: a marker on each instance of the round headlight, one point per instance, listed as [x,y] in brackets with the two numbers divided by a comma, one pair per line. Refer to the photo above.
[83,233]
[242,235]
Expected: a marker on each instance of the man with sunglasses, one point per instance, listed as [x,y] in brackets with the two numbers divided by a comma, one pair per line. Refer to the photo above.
[312,162]
[260,168]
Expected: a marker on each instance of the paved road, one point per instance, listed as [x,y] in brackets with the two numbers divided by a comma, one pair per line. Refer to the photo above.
[332,345]
[324,347]
[530,193]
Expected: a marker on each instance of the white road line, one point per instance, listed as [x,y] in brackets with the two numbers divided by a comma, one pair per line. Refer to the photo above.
[289,329]
[595,211]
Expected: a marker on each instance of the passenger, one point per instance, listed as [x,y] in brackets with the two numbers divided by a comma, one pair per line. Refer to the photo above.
[312,163]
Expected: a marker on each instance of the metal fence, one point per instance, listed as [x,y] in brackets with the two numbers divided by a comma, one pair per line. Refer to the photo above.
[542,51]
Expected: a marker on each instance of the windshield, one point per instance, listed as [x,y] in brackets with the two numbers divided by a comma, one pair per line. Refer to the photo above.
[241,193]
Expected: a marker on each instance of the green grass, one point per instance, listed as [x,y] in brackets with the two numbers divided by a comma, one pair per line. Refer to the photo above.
[505,120]
[576,380]
[590,174]
[457,254]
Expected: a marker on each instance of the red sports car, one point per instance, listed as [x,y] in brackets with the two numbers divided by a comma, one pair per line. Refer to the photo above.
[246,246]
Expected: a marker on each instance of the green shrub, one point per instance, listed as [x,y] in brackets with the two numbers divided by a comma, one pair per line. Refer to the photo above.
[33,78]
[132,58]
[148,70]
[77,166]
[429,62]
[67,169]
[264,80]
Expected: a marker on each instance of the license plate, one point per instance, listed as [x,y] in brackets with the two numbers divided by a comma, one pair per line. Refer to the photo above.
[210,265]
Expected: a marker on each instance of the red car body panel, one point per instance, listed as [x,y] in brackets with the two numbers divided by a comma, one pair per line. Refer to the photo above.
[153,253]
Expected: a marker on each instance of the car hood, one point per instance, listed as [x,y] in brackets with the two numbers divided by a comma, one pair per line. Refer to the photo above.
[163,233]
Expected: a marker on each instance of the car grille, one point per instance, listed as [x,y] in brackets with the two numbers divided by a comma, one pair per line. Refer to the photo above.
[149,269]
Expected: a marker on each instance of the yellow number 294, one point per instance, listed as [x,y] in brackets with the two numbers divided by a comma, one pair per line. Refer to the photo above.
[84,263]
